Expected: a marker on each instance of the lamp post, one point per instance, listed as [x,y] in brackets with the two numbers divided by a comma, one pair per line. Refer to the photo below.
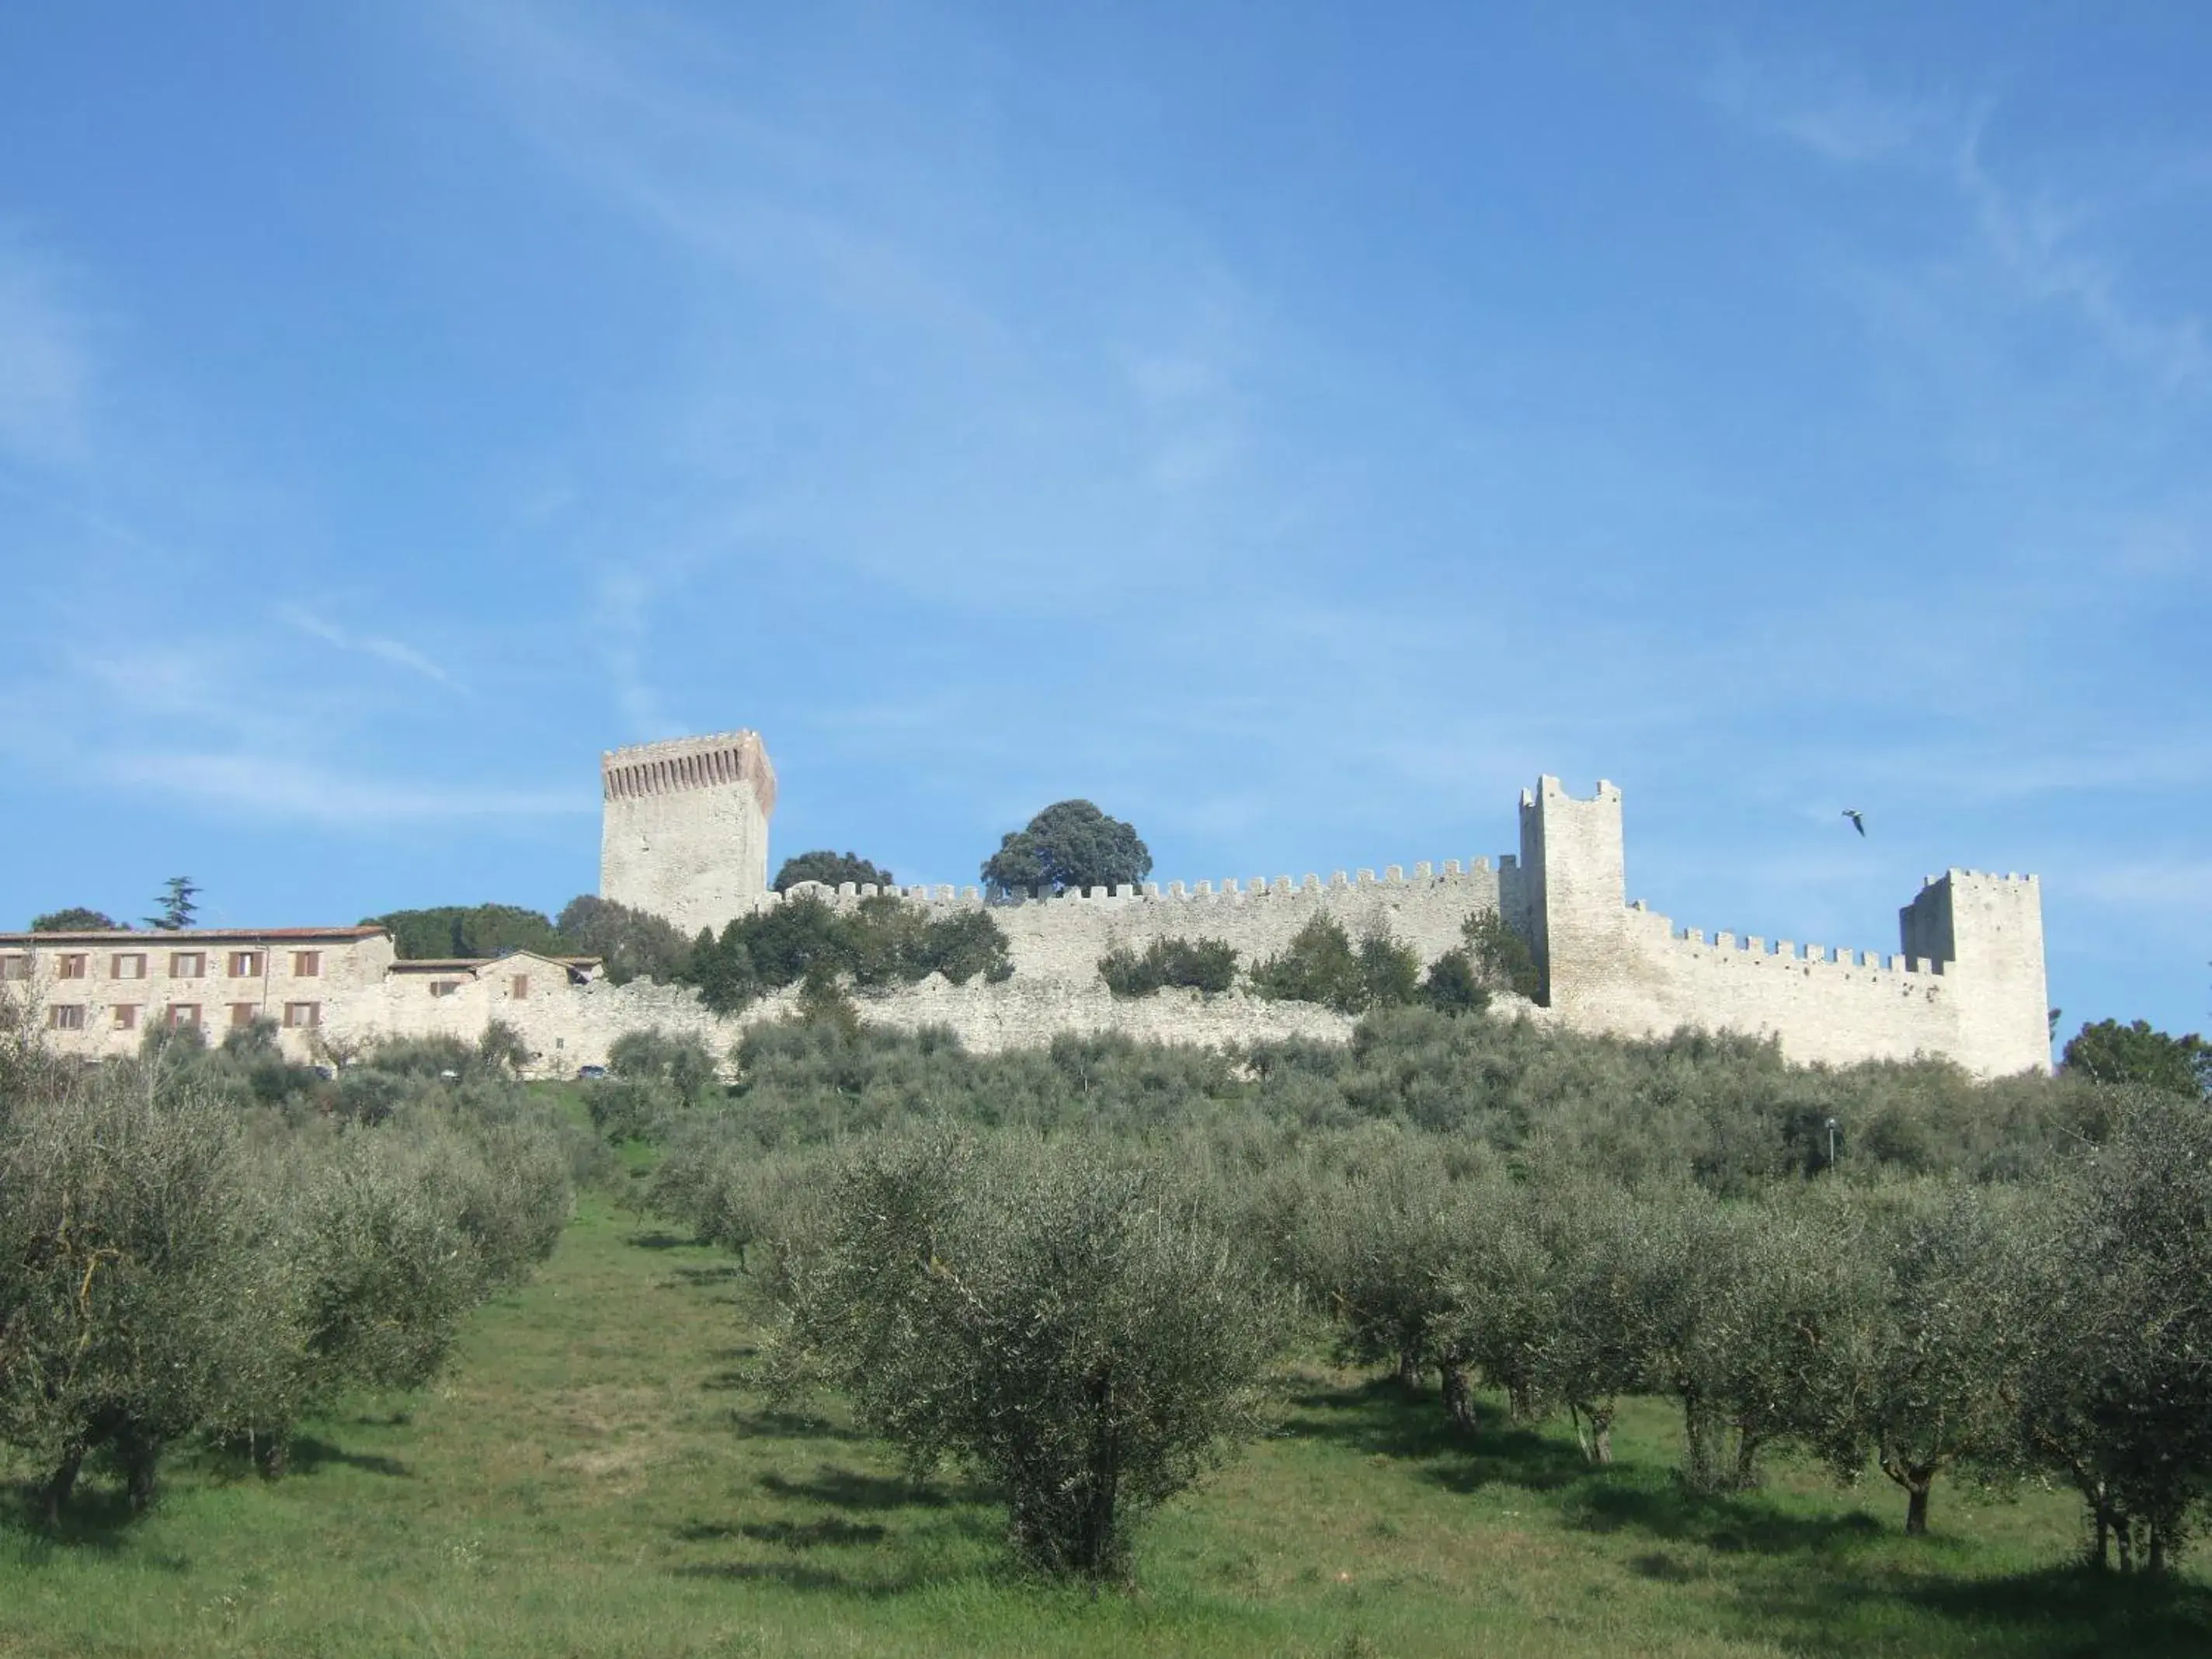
[1831,1143]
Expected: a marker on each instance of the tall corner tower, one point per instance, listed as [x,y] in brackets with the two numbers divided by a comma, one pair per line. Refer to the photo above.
[1986,932]
[1575,880]
[684,827]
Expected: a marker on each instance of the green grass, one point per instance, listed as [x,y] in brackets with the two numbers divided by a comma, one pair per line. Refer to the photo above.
[598,1474]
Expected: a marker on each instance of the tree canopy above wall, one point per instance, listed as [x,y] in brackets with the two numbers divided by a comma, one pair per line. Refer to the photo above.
[1071,844]
[75,918]
[831,869]
[469,930]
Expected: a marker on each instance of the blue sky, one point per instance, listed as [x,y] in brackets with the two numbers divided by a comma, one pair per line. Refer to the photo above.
[1292,427]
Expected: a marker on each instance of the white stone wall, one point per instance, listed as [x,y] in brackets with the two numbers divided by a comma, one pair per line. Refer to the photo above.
[1968,984]
[684,827]
[1061,939]
[576,1025]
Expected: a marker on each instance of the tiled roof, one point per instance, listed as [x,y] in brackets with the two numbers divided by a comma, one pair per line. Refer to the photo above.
[201,935]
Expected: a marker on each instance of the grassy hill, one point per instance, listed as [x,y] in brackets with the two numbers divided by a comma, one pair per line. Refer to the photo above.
[598,1474]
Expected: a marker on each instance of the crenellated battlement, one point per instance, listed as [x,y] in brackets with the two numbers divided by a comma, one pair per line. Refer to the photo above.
[684,829]
[1477,873]
[720,760]
[1758,952]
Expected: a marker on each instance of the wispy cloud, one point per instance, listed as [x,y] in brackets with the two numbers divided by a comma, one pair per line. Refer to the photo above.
[1828,110]
[262,786]
[2174,895]
[46,363]
[395,652]
[2050,247]
[647,114]
[2043,243]
[621,633]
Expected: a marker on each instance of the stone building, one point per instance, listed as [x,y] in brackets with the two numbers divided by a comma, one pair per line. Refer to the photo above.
[96,991]
[327,991]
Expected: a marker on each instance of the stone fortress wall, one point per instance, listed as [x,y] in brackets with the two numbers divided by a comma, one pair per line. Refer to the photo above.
[1967,982]
[686,837]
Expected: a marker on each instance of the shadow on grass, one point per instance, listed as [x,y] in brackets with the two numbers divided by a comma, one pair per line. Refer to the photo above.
[793,1575]
[309,1453]
[768,1424]
[96,1517]
[1380,1418]
[2078,1610]
[2058,1613]
[813,1534]
[853,1488]
[696,1276]
[396,1419]
[859,1494]
[1657,1503]
[661,1240]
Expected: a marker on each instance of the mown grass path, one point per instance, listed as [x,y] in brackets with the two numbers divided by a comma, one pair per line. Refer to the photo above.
[599,1475]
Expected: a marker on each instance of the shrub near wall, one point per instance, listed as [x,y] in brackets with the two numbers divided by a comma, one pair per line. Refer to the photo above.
[882,942]
[1205,965]
[1321,964]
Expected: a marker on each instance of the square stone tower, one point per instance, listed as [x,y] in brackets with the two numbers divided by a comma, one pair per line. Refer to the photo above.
[684,827]
[1985,932]
[1574,875]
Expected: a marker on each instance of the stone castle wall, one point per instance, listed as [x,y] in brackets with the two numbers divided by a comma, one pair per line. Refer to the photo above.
[686,837]
[1060,938]
[1967,984]
[576,1025]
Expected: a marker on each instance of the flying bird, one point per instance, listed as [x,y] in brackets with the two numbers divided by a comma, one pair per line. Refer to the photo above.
[1858,822]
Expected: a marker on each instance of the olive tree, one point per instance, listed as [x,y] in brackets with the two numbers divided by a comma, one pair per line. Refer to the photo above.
[1067,1327]
[2115,1387]
[1931,1368]
[1500,1288]
[1747,1306]
[1601,1252]
[1372,1252]
[366,1275]
[126,1275]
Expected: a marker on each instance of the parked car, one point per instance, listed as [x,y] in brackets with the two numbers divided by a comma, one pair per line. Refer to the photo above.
[591,1073]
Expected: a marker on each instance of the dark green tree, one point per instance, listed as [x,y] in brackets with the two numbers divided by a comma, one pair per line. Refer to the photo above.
[1205,965]
[178,908]
[829,868]
[881,941]
[74,919]
[1069,845]
[1451,985]
[2108,1052]
[1321,964]
[1499,956]
[469,930]
[632,944]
